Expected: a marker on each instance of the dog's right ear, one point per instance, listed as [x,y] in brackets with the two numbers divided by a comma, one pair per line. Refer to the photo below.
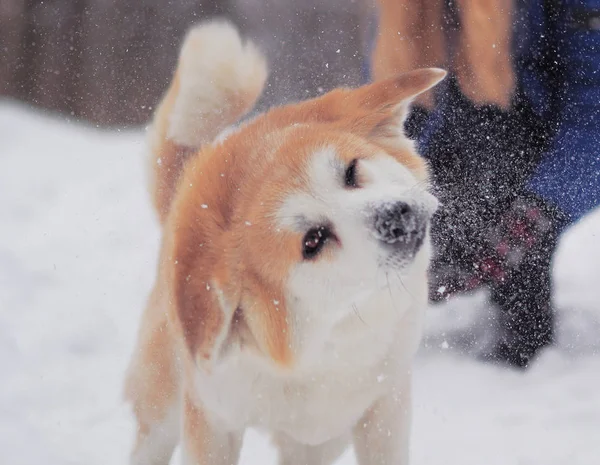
[384,105]
[381,106]
[399,89]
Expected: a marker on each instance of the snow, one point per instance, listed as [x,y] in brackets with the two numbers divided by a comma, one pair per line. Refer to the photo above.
[78,246]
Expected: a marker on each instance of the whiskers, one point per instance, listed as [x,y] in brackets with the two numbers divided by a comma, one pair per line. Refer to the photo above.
[398,277]
[387,278]
[357,313]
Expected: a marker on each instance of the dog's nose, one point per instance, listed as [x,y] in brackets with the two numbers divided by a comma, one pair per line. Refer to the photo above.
[398,222]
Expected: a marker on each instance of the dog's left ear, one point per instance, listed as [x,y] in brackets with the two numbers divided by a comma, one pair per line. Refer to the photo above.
[198,274]
[382,107]
[200,294]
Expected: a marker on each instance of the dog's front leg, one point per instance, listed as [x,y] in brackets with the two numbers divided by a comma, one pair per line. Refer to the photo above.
[203,444]
[382,435]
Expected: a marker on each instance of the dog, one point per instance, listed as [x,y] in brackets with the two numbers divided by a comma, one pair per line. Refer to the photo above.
[292,278]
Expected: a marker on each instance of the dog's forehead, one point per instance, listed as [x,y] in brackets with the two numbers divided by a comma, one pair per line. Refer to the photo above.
[322,194]
[306,201]
[327,166]
[322,167]
[294,175]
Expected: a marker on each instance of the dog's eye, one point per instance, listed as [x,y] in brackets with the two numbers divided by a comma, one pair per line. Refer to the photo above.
[314,240]
[350,175]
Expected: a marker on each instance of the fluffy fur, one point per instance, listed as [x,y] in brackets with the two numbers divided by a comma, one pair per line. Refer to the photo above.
[241,328]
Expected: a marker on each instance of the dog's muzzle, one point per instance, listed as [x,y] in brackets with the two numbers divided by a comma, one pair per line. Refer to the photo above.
[400,226]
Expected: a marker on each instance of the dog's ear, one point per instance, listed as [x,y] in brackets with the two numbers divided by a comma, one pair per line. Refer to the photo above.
[381,108]
[396,93]
[265,313]
[200,282]
[208,303]
[200,293]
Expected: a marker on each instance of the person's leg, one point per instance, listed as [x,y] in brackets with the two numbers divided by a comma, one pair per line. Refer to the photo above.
[410,35]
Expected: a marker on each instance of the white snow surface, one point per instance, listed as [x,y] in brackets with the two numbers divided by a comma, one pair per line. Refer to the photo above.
[78,248]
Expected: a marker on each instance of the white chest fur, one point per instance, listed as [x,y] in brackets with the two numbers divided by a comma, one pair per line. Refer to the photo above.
[340,372]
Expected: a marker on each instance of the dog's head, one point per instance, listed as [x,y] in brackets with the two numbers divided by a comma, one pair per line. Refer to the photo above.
[302,212]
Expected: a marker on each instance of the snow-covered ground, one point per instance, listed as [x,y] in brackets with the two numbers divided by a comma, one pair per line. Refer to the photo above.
[78,244]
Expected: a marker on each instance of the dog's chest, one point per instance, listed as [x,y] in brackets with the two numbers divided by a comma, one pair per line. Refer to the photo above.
[335,384]
[311,408]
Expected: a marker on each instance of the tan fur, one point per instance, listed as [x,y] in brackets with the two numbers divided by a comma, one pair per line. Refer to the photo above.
[483,61]
[411,36]
[214,291]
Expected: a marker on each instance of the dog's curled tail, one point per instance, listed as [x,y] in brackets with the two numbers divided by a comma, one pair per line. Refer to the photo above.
[218,79]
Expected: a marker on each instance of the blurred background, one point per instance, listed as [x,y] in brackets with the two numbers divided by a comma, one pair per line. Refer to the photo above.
[108,61]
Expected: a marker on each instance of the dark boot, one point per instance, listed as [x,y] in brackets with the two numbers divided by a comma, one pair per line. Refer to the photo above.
[524,246]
